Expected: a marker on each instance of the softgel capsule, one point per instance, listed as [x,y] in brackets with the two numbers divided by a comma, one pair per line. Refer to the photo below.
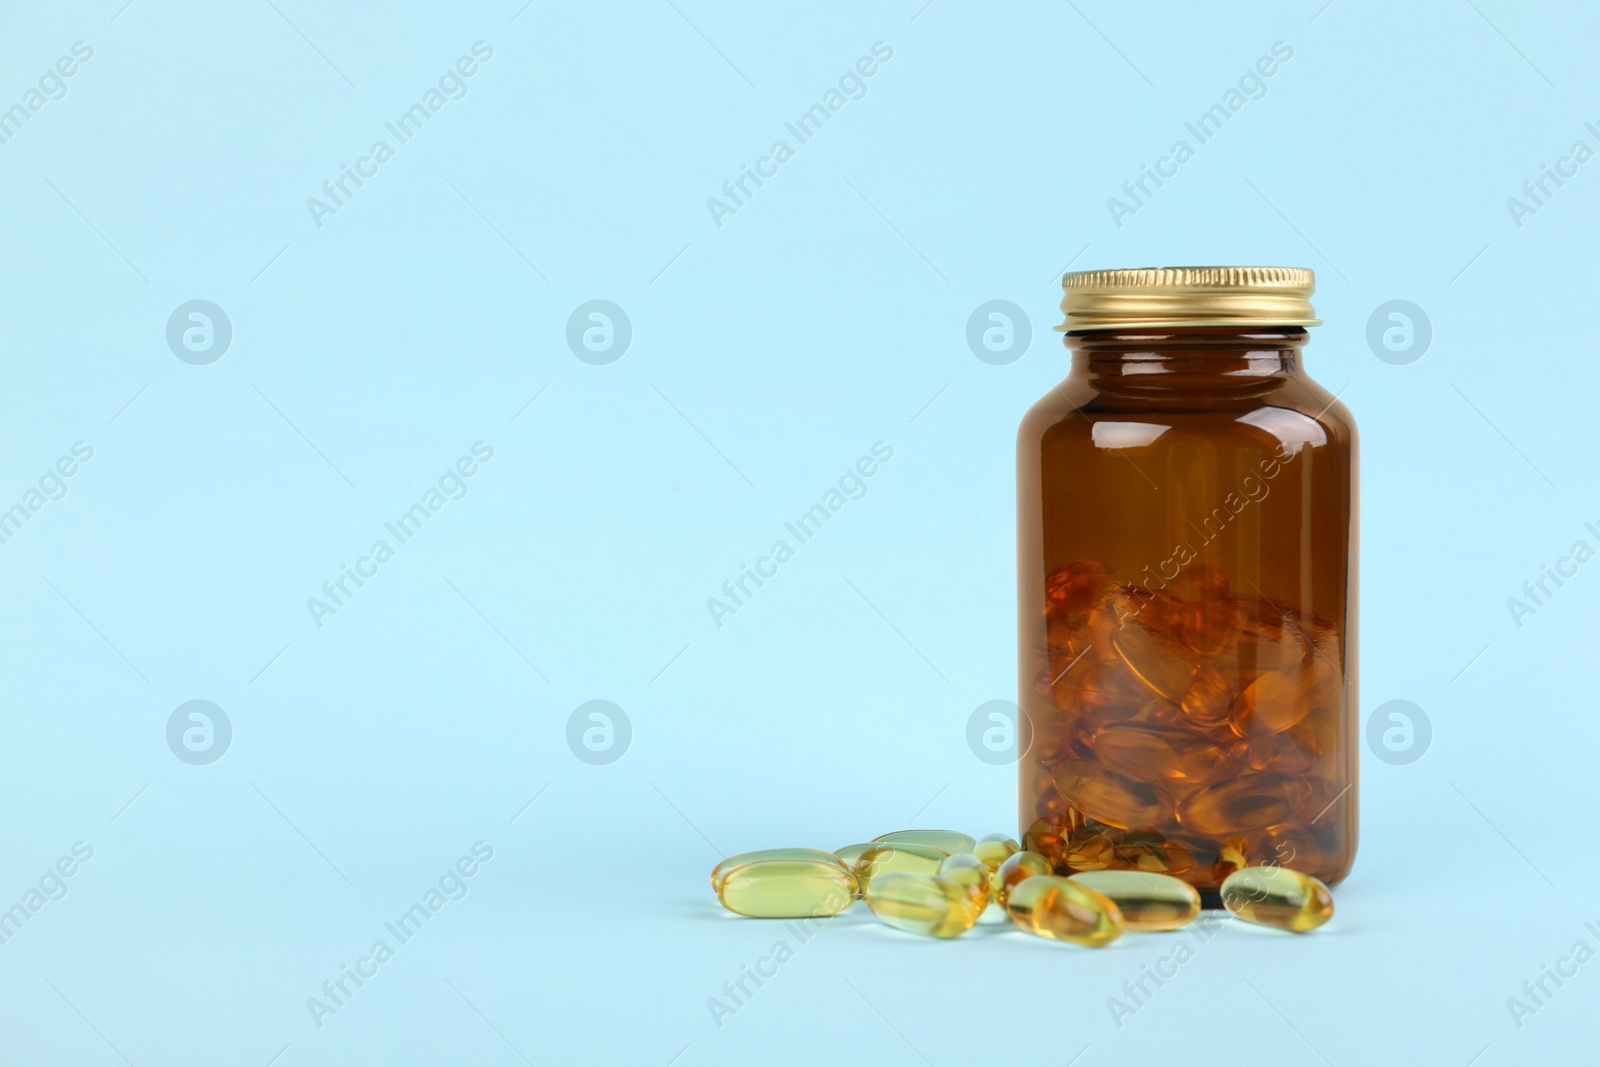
[927,904]
[1059,908]
[1277,897]
[787,888]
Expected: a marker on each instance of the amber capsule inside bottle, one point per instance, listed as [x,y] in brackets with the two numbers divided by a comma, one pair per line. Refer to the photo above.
[1171,755]
[1248,802]
[1109,796]
[1186,562]
[1101,848]
[1226,857]
[1293,845]
[1048,838]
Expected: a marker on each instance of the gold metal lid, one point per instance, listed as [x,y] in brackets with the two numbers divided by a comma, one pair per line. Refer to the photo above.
[1188,296]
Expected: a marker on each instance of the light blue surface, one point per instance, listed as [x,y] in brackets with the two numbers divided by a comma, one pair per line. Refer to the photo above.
[827,313]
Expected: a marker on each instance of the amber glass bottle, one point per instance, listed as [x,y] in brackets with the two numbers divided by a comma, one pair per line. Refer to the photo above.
[1186,539]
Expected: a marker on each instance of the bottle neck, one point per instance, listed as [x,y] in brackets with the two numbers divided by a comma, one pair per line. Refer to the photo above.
[1179,362]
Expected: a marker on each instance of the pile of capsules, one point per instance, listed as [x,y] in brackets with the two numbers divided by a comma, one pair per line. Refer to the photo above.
[941,883]
[1187,730]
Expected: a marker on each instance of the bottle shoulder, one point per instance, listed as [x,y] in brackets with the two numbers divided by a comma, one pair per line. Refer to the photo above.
[1294,410]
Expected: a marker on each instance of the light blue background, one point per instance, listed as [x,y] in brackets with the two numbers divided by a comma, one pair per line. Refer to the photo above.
[768,354]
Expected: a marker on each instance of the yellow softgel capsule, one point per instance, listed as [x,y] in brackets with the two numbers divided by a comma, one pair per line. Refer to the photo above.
[787,888]
[1059,908]
[1278,897]
[1017,867]
[851,853]
[995,850]
[927,904]
[951,841]
[720,871]
[899,858]
[968,871]
[1148,901]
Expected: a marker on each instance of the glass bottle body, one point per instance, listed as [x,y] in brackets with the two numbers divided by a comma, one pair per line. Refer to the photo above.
[1187,515]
